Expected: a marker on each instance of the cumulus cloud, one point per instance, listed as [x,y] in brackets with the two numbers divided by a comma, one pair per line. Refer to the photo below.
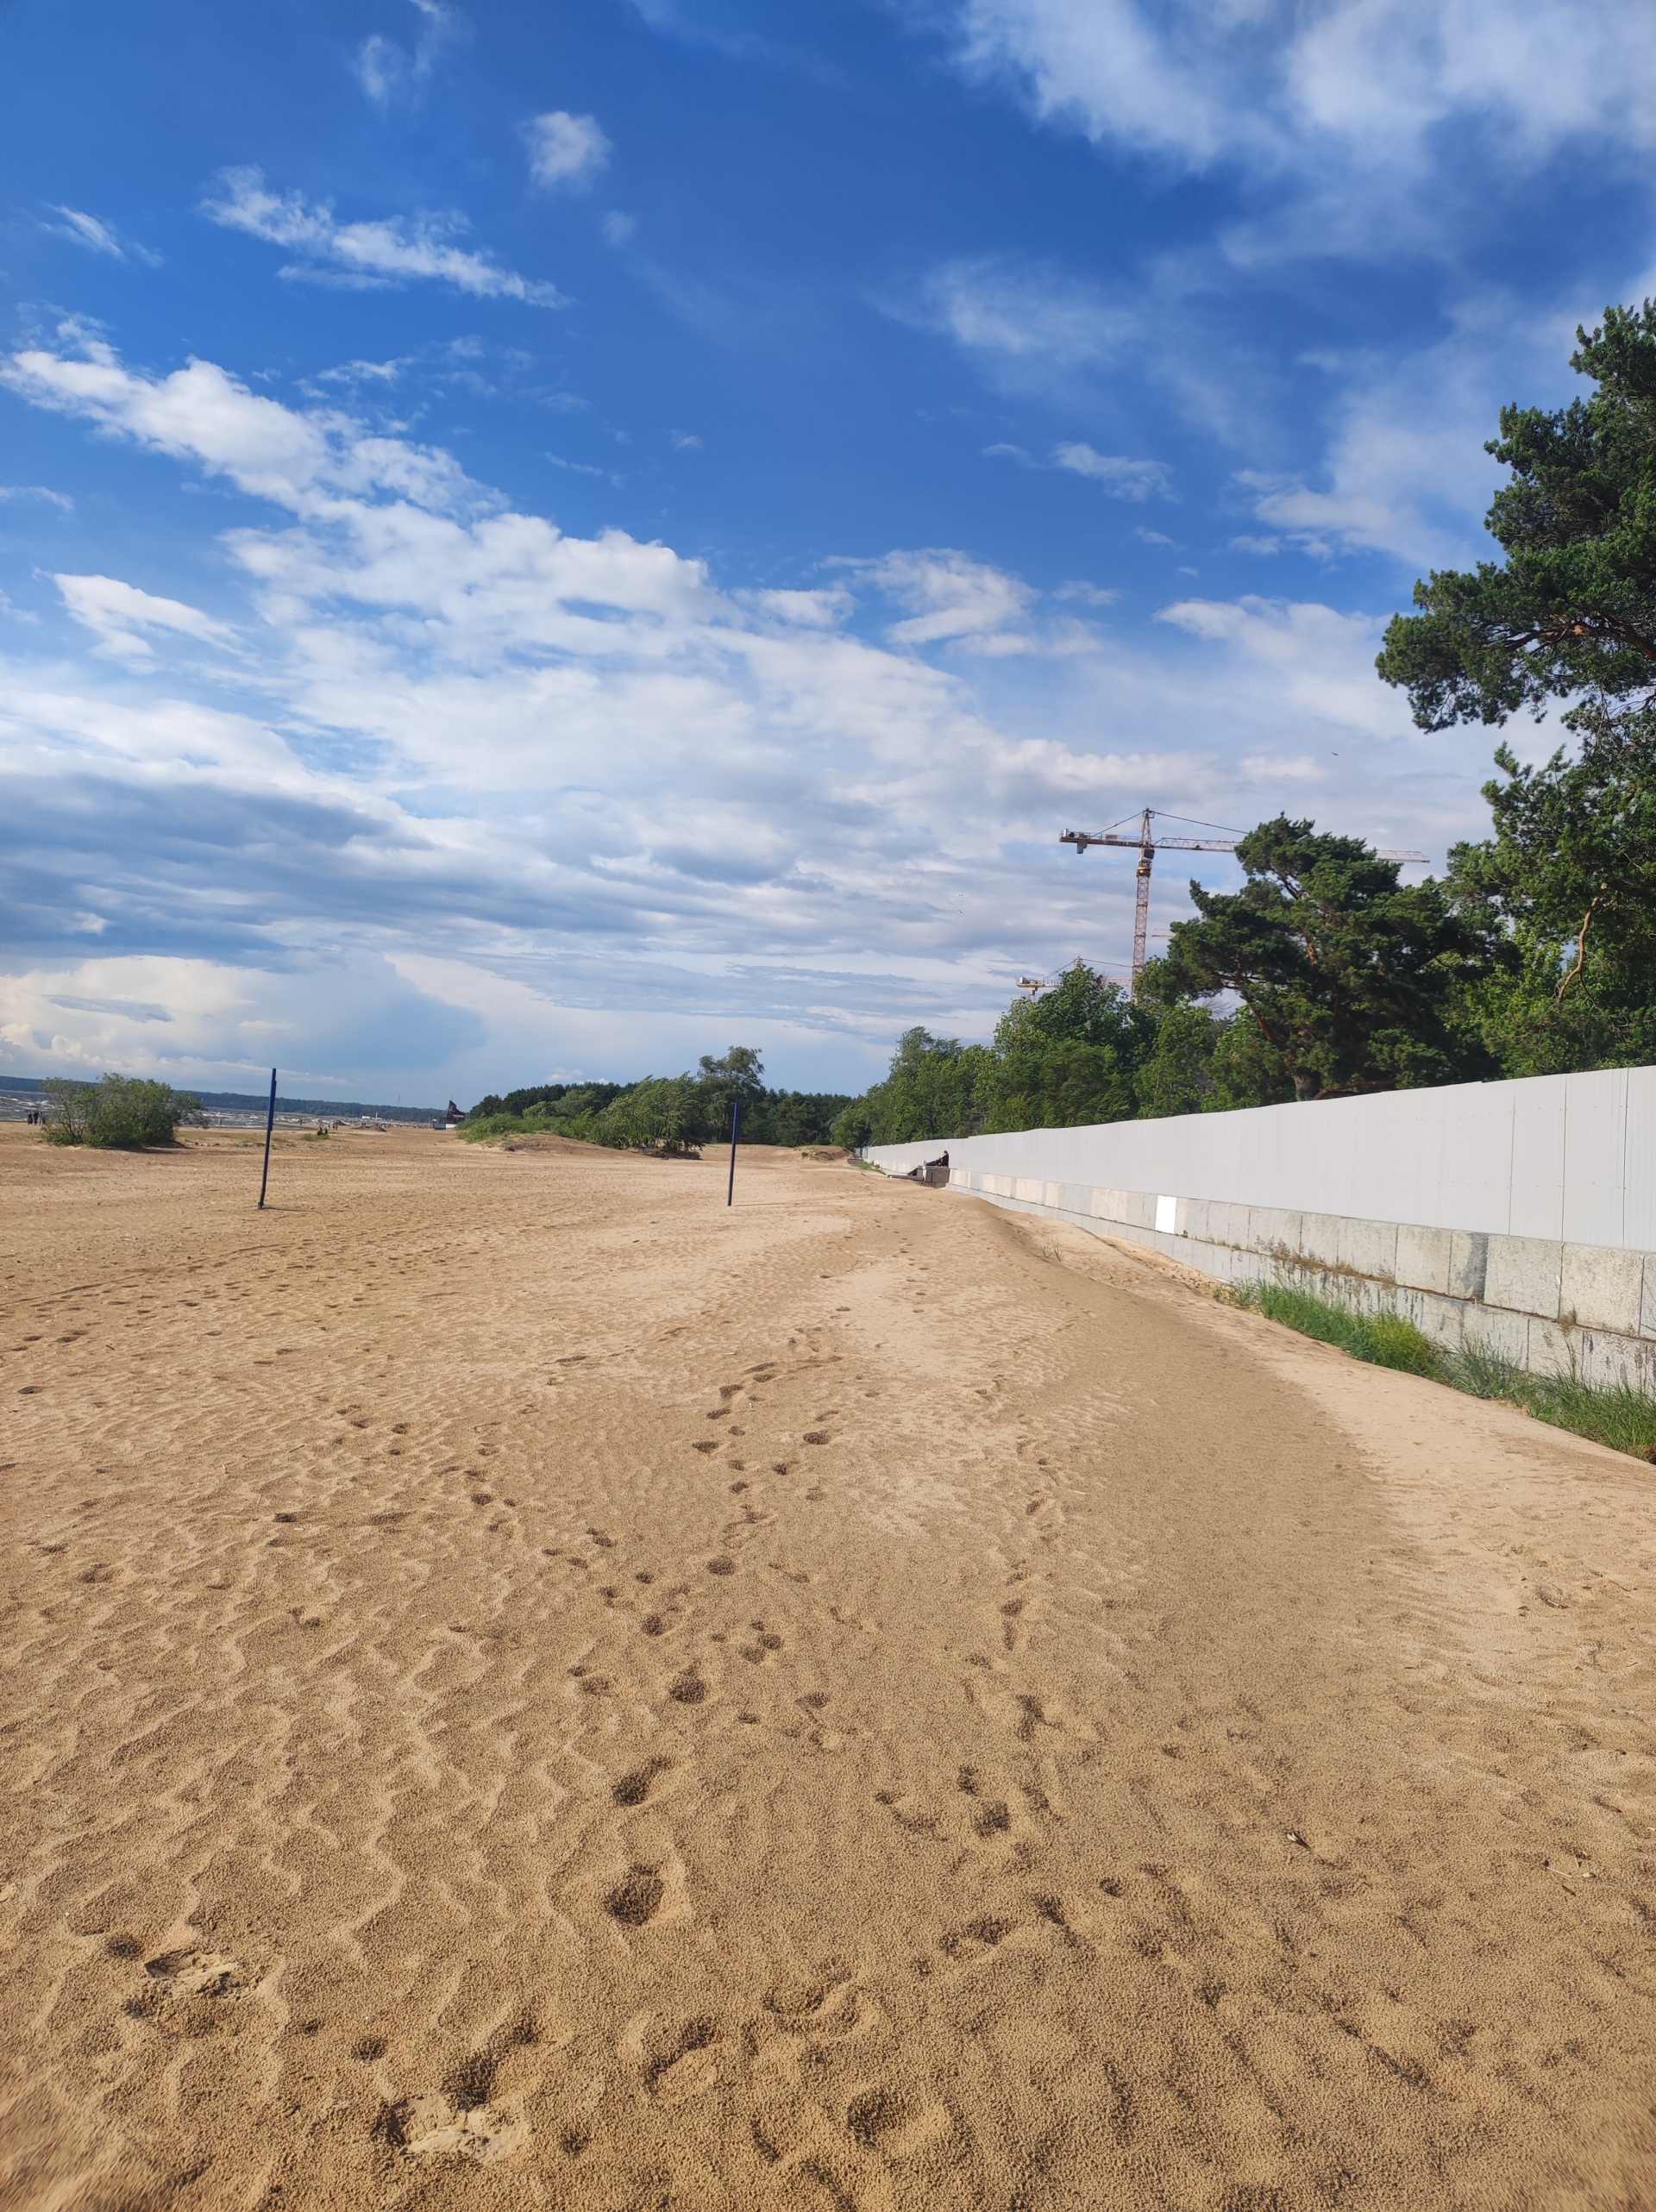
[565,151]
[366,254]
[951,597]
[119,613]
[583,767]
[1282,87]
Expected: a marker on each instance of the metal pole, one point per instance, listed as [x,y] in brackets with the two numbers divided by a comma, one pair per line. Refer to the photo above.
[736,1116]
[270,1124]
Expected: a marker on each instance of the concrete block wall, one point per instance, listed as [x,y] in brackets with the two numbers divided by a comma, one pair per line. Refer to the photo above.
[1577,1154]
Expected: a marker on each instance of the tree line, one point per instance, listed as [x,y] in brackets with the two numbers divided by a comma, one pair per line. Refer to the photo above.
[1325,975]
[670,1114]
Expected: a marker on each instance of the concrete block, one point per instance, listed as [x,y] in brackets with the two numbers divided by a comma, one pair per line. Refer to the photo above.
[1320,1240]
[1273,1229]
[1196,1214]
[1606,1360]
[1369,1248]
[1028,1189]
[1468,1262]
[1647,1310]
[1523,1274]
[1552,1350]
[1423,1257]
[1074,1198]
[1443,1319]
[1506,1335]
[1052,1195]
[1141,1209]
[1601,1288]
[1109,1206]
[1225,1224]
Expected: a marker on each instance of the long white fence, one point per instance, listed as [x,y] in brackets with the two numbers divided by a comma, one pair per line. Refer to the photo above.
[1520,1215]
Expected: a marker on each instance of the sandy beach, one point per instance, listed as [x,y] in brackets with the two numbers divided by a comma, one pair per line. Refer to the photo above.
[526,1687]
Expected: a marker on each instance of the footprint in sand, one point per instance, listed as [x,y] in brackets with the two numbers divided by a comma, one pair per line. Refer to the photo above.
[895,2127]
[637,1898]
[830,2011]
[431,2126]
[199,1974]
[633,1788]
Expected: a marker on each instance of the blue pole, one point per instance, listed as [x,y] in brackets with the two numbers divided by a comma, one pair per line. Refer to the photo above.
[736,1116]
[270,1124]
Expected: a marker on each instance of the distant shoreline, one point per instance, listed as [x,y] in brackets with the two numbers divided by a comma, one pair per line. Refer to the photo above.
[252,1101]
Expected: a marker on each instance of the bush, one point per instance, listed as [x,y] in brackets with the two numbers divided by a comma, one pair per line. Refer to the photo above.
[122,1113]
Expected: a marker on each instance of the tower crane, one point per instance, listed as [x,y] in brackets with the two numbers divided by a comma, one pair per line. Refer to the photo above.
[1147,846]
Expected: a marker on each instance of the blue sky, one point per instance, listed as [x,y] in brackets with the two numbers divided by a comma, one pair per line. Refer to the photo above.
[546,540]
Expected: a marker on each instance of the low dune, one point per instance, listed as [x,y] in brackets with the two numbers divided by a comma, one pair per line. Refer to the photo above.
[528,1688]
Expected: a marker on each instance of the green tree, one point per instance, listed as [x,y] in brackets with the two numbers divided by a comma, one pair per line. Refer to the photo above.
[1570,875]
[1351,982]
[123,1112]
[735,1076]
[936,1087]
[1178,1075]
[664,1114]
[1572,613]
[1070,1055]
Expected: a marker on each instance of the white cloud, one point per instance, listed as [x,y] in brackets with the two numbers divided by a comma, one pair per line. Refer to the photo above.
[387,71]
[618,228]
[101,237]
[1121,478]
[951,597]
[1280,86]
[118,613]
[1024,320]
[366,254]
[579,766]
[1323,661]
[565,151]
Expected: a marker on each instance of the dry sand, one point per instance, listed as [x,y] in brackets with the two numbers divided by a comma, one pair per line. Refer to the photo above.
[528,1689]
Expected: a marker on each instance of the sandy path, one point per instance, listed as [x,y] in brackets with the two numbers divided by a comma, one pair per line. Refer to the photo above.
[525,1688]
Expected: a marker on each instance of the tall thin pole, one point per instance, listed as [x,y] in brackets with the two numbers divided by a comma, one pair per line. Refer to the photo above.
[270,1124]
[736,1116]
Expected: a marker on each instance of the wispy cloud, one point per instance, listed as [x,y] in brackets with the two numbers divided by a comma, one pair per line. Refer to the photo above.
[394,252]
[564,152]
[119,613]
[1122,478]
[387,69]
[1031,320]
[99,237]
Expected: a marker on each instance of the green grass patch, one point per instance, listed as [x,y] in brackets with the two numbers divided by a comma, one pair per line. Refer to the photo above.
[1380,1338]
[1616,1415]
[1619,1416]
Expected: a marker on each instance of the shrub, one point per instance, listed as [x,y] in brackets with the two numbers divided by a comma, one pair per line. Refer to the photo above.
[123,1112]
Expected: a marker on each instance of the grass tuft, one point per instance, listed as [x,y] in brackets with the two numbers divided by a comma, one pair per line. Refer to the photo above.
[1619,1416]
[1380,1338]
